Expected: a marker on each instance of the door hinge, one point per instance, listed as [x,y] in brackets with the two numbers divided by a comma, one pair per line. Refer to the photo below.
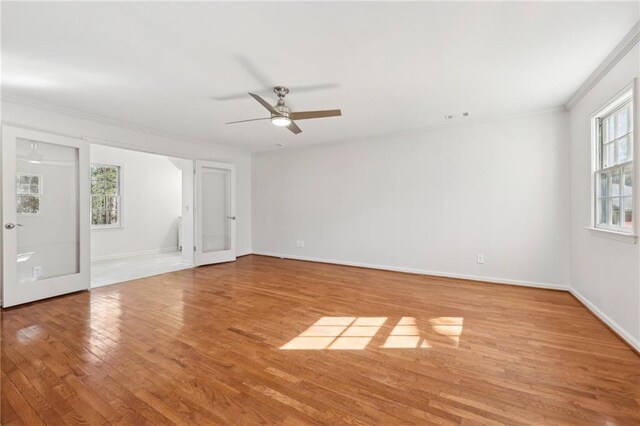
[194,248]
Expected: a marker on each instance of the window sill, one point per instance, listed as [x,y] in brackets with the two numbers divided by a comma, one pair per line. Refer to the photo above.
[107,228]
[614,235]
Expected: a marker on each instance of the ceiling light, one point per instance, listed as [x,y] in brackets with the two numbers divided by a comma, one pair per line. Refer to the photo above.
[33,156]
[280,121]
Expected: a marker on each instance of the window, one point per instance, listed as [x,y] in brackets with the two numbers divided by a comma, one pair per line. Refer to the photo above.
[105,196]
[613,174]
[28,193]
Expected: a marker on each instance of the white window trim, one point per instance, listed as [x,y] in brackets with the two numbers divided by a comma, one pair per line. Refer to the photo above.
[40,192]
[611,105]
[120,224]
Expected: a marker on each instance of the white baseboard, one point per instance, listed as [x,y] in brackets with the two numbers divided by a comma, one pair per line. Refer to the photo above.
[135,253]
[492,280]
[624,335]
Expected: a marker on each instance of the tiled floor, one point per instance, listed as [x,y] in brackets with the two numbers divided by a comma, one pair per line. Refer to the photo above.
[111,271]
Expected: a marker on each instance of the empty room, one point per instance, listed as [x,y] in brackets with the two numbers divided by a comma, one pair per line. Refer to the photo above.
[291,213]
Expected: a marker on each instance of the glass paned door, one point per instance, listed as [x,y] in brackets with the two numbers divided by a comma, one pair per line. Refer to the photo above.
[46,215]
[215,212]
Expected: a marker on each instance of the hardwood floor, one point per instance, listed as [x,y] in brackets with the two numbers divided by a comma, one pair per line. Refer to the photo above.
[271,341]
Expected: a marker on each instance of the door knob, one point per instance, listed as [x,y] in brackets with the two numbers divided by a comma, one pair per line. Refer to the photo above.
[231,217]
[9,225]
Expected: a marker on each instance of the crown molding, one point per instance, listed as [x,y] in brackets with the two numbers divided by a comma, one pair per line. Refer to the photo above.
[121,124]
[409,132]
[619,52]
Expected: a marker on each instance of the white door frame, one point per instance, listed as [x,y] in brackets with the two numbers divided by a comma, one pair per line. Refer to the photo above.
[13,292]
[188,233]
[205,258]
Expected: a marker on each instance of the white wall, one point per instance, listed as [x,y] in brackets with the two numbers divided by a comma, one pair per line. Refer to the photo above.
[426,201]
[103,132]
[605,272]
[151,204]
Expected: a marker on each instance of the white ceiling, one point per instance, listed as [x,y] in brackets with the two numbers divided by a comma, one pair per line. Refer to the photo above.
[389,66]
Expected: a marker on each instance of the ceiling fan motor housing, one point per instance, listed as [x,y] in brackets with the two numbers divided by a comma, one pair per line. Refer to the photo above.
[281,91]
[282,109]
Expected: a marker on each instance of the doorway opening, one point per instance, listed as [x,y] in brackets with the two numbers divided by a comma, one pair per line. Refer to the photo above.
[141,214]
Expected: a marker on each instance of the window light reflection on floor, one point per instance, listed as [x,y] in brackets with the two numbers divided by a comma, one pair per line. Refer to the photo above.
[341,333]
[355,333]
[404,335]
[450,327]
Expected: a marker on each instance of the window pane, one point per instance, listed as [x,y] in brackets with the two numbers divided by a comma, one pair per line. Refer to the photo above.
[97,202]
[615,211]
[100,217]
[105,189]
[622,121]
[628,212]
[104,179]
[601,212]
[609,155]
[608,129]
[601,185]
[614,187]
[24,179]
[24,188]
[111,202]
[30,204]
[110,187]
[623,150]
[628,181]
[18,203]
[95,185]
[111,217]
[95,217]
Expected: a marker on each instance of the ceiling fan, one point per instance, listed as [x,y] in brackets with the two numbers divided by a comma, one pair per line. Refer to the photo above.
[281,114]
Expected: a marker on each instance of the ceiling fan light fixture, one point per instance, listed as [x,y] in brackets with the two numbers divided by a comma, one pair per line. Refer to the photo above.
[281,114]
[33,156]
[280,121]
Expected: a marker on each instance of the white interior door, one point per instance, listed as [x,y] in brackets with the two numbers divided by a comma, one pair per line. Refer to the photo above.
[45,208]
[215,212]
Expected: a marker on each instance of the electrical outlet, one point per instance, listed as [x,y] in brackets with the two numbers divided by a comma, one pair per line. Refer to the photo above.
[36,272]
[300,244]
[480,258]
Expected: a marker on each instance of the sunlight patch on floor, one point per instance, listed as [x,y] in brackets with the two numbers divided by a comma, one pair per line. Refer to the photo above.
[337,333]
[356,333]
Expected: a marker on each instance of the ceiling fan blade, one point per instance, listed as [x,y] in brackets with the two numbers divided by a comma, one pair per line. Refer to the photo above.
[232,96]
[294,128]
[255,72]
[305,115]
[251,119]
[313,87]
[265,104]
[269,89]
